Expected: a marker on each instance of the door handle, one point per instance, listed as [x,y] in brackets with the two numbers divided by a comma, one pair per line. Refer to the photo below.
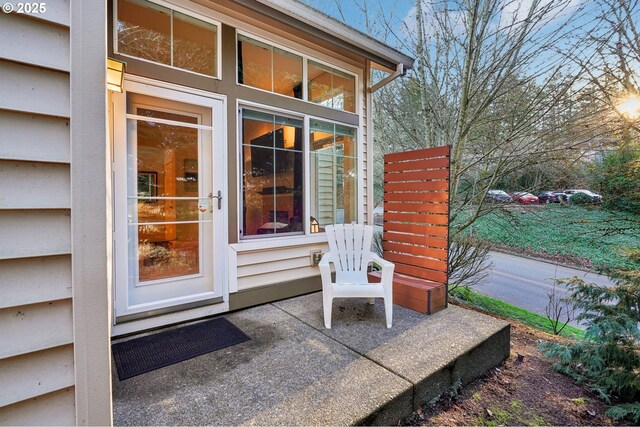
[219,197]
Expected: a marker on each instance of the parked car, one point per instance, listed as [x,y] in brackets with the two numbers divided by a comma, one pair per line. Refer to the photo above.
[561,196]
[549,197]
[497,196]
[524,197]
[595,197]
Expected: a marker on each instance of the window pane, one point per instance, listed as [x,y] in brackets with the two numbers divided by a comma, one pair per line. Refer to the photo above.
[288,191]
[287,73]
[333,176]
[272,174]
[321,136]
[254,63]
[320,78]
[346,190]
[322,182]
[344,90]
[345,146]
[144,30]
[194,44]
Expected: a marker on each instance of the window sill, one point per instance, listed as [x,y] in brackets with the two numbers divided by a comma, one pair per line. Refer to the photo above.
[275,242]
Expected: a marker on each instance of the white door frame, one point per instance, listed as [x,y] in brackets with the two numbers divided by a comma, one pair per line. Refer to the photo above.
[217,103]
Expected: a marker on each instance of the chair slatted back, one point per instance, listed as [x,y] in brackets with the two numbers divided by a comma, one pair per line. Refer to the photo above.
[416,212]
[350,243]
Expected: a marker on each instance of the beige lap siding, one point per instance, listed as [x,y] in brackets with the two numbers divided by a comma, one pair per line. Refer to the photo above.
[36,320]
[272,266]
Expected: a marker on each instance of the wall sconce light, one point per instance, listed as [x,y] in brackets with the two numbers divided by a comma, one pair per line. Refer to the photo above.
[315,226]
[115,75]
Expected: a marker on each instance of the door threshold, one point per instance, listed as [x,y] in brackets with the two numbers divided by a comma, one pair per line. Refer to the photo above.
[189,311]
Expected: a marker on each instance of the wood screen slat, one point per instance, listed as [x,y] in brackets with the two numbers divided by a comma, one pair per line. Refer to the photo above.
[424,153]
[416,207]
[437,219]
[424,186]
[416,176]
[425,230]
[423,273]
[441,163]
[415,239]
[440,254]
[417,261]
[417,197]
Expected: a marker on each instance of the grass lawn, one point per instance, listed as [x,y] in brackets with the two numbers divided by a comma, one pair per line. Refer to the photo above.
[587,233]
[500,308]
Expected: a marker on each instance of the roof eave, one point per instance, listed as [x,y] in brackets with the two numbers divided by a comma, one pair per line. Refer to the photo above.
[311,21]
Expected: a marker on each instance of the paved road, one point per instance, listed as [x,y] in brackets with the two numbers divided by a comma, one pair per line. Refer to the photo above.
[525,283]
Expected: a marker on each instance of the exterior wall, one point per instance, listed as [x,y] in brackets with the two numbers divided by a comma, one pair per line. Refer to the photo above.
[270,261]
[36,316]
[42,340]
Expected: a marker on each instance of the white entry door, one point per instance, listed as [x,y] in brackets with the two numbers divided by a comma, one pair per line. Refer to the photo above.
[169,178]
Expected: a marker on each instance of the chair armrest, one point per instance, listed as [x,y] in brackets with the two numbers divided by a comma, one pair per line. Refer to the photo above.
[378,260]
[326,259]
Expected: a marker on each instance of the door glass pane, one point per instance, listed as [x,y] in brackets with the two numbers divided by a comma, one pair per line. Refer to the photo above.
[254,63]
[194,44]
[168,250]
[164,200]
[168,156]
[287,73]
[144,30]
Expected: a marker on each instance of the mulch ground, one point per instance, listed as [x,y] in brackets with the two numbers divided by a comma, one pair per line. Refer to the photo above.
[524,390]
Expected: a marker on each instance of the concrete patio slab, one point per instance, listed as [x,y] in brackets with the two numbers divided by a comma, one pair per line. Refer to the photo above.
[294,372]
[288,374]
[452,345]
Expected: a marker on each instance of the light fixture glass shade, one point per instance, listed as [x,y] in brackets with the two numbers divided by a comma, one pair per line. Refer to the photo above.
[315,226]
[115,75]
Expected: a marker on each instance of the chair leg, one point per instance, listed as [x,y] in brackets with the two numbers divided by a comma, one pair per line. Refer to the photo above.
[388,311]
[388,305]
[327,303]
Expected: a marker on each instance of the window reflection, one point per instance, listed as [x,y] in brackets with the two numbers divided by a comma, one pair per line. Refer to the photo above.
[266,67]
[144,30]
[333,174]
[330,87]
[194,44]
[148,31]
[272,174]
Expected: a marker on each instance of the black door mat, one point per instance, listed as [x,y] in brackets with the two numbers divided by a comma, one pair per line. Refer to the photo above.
[145,354]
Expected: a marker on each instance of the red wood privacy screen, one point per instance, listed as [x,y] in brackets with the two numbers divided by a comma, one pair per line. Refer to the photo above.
[416,213]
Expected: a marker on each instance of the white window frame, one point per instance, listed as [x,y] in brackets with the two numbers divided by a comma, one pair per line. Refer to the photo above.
[305,66]
[269,240]
[186,11]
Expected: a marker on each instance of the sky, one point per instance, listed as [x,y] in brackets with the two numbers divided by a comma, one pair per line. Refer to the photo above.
[399,16]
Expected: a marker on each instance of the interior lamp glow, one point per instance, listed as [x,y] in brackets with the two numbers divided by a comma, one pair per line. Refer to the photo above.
[630,107]
[115,75]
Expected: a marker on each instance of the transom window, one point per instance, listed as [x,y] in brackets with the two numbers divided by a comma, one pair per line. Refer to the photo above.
[264,66]
[275,188]
[159,34]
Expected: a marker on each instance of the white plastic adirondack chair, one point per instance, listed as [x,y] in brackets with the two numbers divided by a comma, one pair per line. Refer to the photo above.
[350,246]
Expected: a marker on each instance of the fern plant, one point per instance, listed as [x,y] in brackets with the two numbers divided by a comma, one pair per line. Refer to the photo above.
[608,359]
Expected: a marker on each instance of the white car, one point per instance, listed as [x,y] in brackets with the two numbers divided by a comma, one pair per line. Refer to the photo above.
[595,197]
